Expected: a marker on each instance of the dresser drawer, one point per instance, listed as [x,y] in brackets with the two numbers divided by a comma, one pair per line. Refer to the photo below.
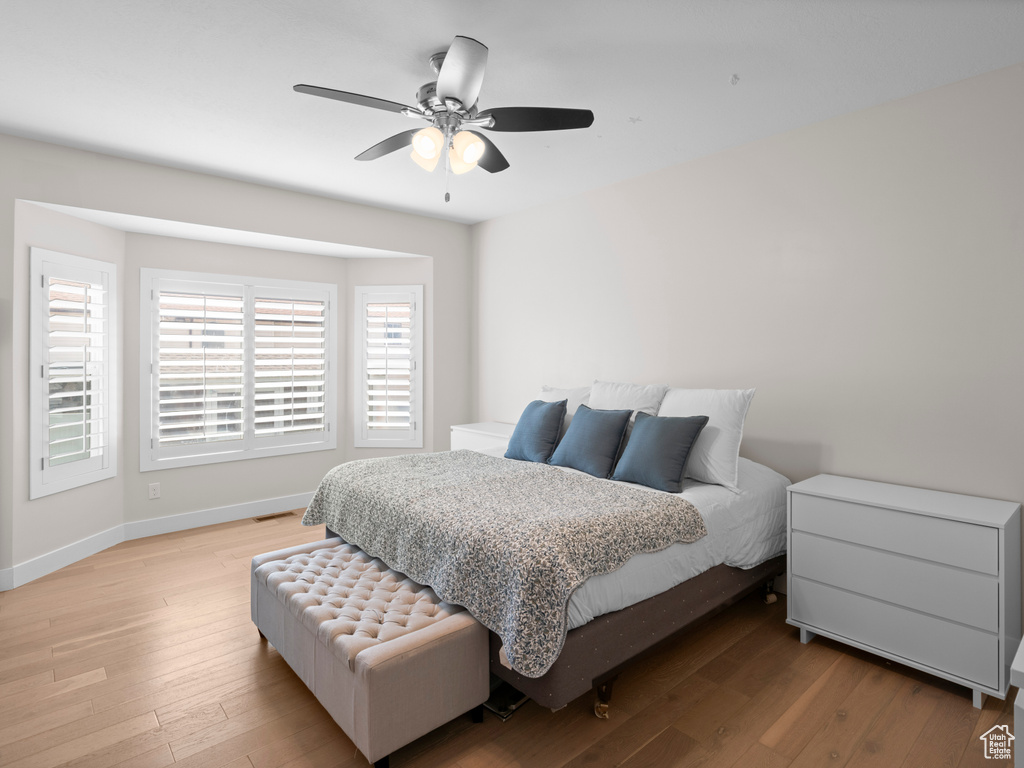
[967,653]
[949,593]
[963,545]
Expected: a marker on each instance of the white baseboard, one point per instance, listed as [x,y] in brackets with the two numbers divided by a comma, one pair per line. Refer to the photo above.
[22,573]
[30,570]
[138,529]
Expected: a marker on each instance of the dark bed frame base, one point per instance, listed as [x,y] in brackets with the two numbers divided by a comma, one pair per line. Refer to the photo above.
[594,654]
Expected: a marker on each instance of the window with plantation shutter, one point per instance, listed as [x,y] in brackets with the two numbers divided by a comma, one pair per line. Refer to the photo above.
[199,367]
[291,367]
[390,342]
[234,368]
[73,346]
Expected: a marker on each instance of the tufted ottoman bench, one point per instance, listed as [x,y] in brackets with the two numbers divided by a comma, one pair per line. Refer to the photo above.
[385,657]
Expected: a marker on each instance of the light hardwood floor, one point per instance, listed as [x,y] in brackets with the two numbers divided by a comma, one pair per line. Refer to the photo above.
[144,655]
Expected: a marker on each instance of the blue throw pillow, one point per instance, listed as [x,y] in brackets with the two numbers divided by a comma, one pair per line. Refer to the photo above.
[657,450]
[537,431]
[592,441]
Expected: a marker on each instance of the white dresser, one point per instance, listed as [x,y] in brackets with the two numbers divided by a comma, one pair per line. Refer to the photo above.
[486,435]
[925,578]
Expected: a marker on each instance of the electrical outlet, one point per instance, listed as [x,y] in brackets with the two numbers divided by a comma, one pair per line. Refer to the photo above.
[154,490]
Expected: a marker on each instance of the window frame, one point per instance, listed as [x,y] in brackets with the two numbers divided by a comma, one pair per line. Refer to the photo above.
[44,480]
[151,456]
[362,437]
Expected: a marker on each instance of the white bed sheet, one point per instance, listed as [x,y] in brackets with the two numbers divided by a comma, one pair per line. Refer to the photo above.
[744,530]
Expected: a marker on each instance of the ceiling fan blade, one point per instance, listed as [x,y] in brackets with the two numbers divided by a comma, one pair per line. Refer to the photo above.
[390,144]
[492,160]
[352,98]
[538,118]
[462,72]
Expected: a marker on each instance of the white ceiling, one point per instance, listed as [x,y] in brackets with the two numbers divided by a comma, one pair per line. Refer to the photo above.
[207,85]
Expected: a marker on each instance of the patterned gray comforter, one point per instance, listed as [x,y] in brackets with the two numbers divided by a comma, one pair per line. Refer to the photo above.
[511,541]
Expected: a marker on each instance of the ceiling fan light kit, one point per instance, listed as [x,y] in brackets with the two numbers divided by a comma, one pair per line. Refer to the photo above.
[464,149]
[427,143]
[427,164]
[449,104]
[458,166]
[467,147]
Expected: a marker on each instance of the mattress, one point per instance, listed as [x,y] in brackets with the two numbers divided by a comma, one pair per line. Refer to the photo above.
[744,530]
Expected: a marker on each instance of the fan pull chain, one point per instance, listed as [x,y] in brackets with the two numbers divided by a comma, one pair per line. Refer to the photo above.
[447,171]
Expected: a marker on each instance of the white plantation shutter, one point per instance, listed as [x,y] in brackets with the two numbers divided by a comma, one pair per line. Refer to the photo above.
[236,368]
[76,370]
[389,319]
[73,405]
[291,366]
[200,367]
[388,345]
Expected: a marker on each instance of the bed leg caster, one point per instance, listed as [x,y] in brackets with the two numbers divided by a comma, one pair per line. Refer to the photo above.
[603,701]
[477,713]
[769,593]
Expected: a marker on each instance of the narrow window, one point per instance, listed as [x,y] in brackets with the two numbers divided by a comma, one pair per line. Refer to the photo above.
[73,397]
[389,409]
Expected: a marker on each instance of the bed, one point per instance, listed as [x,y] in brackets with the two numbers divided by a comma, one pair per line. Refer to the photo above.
[612,610]
[617,618]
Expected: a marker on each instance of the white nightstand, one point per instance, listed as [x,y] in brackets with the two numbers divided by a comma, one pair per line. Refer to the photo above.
[484,436]
[925,578]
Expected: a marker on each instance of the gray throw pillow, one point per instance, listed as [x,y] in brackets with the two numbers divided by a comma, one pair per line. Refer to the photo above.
[657,451]
[592,441]
[537,431]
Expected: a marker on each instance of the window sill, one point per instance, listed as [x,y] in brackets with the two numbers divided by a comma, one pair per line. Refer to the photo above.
[149,464]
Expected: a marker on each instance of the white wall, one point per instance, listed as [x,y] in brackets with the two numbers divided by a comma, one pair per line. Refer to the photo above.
[863,273]
[36,171]
[89,509]
[187,489]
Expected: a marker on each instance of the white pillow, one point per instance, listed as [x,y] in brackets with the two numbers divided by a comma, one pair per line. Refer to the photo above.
[609,396]
[715,456]
[576,396]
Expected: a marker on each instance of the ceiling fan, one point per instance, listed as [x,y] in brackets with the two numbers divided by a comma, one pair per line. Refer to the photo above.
[449,104]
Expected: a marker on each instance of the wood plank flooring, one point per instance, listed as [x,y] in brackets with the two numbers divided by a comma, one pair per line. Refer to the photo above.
[143,656]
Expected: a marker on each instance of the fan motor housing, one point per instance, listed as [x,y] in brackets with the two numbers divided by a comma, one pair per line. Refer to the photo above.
[426,97]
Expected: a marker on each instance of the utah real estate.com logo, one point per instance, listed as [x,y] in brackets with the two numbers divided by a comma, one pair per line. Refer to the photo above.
[998,743]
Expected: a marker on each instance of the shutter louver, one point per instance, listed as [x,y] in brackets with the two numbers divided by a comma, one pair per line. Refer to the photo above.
[389,378]
[76,370]
[290,366]
[200,368]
